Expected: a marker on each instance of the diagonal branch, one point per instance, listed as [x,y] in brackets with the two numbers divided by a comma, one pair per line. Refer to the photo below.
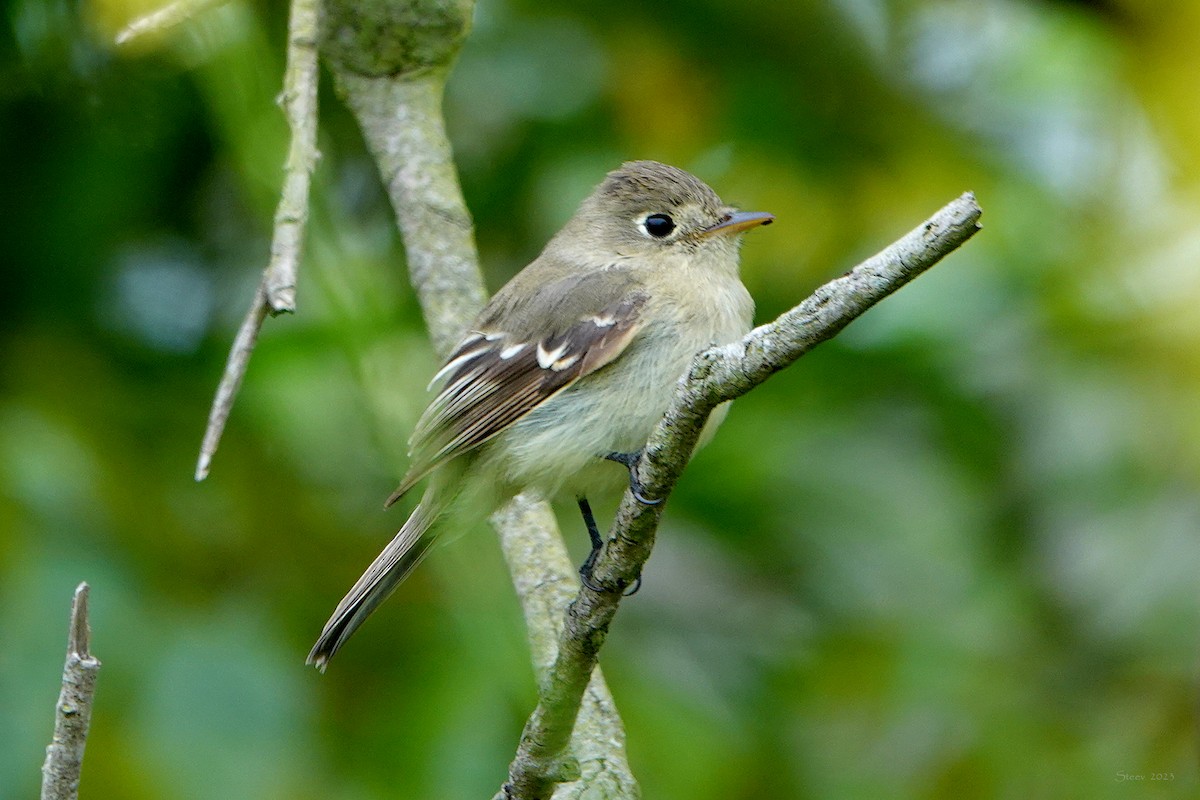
[717,375]
[546,580]
[165,18]
[64,756]
[277,292]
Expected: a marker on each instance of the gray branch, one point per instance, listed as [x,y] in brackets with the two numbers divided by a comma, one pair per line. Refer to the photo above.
[277,291]
[231,379]
[401,120]
[299,102]
[64,755]
[546,580]
[717,375]
[390,63]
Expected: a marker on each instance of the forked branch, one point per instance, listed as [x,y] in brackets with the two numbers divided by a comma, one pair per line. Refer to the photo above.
[390,62]
[276,293]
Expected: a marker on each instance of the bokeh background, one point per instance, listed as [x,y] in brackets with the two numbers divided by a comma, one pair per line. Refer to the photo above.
[953,553]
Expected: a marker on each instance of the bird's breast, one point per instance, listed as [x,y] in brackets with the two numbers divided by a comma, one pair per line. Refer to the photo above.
[559,445]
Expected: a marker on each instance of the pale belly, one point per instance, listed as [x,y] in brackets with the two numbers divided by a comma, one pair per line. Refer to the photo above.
[560,446]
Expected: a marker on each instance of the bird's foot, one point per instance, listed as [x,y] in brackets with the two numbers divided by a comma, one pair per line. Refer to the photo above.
[585,570]
[630,461]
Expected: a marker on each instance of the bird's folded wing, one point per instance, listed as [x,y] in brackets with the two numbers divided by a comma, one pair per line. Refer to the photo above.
[494,377]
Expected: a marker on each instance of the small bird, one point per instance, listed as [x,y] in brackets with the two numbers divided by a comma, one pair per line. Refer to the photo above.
[570,365]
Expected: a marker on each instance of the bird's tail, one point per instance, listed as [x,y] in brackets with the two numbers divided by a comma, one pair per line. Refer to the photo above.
[386,572]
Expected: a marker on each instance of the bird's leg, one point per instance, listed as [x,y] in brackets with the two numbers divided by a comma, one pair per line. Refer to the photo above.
[630,461]
[585,571]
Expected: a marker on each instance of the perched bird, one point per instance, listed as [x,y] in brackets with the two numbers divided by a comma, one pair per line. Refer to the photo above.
[572,363]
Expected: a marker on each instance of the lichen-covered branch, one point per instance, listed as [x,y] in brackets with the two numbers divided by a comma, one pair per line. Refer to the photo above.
[277,292]
[64,755]
[546,580]
[716,376]
[401,120]
[390,62]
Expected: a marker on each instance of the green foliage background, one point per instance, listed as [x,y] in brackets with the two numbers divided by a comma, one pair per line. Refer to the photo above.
[953,553]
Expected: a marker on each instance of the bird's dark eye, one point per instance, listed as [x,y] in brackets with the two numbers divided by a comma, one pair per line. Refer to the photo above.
[659,225]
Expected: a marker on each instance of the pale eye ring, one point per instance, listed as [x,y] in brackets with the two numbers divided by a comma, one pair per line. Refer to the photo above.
[659,226]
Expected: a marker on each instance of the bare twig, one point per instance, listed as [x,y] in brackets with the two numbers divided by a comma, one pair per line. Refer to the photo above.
[64,755]
[166,18]
[277,292]
[717,375]
[299,101]
[231,380]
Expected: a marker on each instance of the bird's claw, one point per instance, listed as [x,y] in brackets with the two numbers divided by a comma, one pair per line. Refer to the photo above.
[585,577]
[630,461]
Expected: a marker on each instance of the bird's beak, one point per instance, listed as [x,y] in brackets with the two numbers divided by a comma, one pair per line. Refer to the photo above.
[738,222]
